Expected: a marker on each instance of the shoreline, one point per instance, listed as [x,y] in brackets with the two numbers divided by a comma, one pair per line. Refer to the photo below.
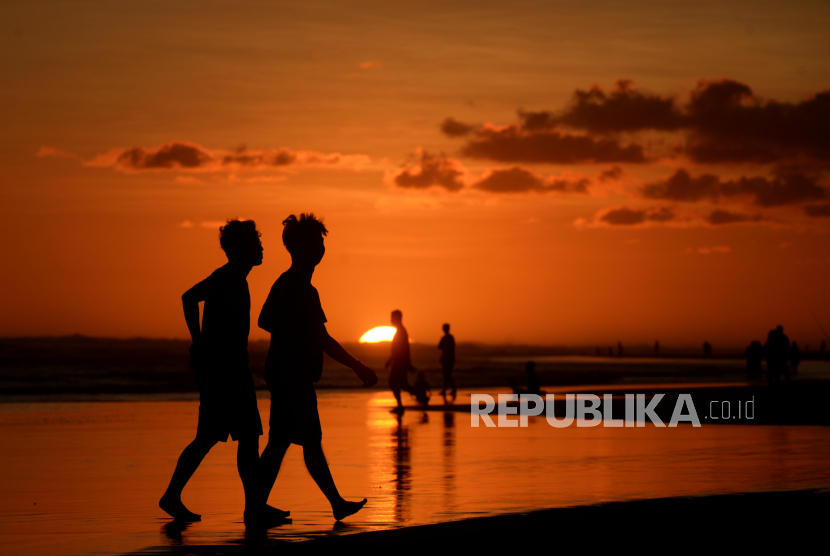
[755,520]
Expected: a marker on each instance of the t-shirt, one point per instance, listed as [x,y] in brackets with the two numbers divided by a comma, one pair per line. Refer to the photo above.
[447,347]
[294,316]
[226,321]
[400,351]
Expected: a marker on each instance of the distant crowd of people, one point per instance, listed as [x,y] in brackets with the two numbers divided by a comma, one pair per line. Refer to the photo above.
[782,357]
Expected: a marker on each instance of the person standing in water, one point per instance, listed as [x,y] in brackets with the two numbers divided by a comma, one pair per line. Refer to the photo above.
[447,347]
[294,316]
[219,359]
[399,364]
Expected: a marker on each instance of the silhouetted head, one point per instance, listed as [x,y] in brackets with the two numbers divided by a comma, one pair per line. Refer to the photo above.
[446,328]
[397,318]
[529,367]
[779,329]
[421,377]
[240,242]
[303,238]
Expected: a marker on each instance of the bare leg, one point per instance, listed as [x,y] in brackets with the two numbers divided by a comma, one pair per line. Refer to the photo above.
[192,456]
[247,463]
[270,462]
[318,467]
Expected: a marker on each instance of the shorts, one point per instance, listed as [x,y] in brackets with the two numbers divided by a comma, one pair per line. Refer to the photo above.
[227,407]
[294,417]
[398,380]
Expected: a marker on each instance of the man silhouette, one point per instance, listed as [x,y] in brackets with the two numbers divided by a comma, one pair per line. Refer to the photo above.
[447,347]
[295,318]
[399,364]
[219,358]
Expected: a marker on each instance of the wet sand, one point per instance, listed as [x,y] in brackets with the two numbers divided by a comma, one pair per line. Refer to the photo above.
[84,478]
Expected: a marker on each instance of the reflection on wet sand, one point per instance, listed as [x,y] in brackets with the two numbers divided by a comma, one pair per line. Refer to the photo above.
[115,458]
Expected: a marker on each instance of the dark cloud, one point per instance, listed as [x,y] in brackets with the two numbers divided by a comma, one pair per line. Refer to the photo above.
[171,155]
[431,170]
[277,157]
[453,128]
[818,211]
[612,174]
[514,144]
[721,217]
[728,123]
[518,180]
[623,109]
[625,216]
[783,188]
[723,122]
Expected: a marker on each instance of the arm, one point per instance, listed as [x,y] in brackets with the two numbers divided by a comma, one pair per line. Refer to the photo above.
[334,350]
[190,304]
[266,318]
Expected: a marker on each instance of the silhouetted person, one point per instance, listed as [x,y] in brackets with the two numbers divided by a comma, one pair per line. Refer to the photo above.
[619,349]
[795,357]
[777,353]
[219,358]
[421,389]
[447,347]
[399,364]
[295,318]
[533,386]
[707,349]
[754,355]
[656,347]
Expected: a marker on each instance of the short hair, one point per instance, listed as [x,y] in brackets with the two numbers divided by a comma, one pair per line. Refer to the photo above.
[397,313]
[446,327]
[298,234]
[236,235]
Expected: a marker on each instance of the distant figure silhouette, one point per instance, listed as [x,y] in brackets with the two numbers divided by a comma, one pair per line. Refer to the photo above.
[619,349]
[777,352]
[754,355]
[795,358]
[533,386]
[707,349]
[656,347]
[447,347]
[421,389]
[295,318]
[219,359]
[399,364]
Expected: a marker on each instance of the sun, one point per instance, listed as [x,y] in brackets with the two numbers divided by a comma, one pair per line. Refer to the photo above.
[378,334]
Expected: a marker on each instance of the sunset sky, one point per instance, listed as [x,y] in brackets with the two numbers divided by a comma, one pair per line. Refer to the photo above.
[532,172]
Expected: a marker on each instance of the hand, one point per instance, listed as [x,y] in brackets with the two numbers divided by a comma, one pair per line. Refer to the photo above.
[367,375]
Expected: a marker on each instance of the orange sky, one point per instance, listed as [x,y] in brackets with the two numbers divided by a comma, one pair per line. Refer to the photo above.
[130,129]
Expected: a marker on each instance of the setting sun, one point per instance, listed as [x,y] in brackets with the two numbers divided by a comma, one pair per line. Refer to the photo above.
[378,334]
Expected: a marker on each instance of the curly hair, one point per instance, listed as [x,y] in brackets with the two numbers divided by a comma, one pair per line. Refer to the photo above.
[299,233]
[236,235]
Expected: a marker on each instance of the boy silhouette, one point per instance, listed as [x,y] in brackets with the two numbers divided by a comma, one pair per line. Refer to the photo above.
[295,318]
[447,347]
[219,358]
[399,363]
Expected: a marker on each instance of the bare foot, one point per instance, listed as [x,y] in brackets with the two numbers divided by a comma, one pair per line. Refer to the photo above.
[266,519]
[345,509]
[176,509]
[276,512]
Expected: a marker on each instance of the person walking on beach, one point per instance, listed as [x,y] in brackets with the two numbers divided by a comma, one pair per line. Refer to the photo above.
[777,352]
[447,347]
[399,364]
[219,358]
[294,316]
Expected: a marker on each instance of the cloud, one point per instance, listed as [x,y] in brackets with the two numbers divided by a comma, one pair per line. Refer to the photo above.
[183,156]
[513,143]
[615,173]
[453,128]
[54,152]
[721,217]
[721,121]
[720,249]
[370,65]
[623,109]
[626,216]
[518,180]
[783,188]
[818,211]
[431,170]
